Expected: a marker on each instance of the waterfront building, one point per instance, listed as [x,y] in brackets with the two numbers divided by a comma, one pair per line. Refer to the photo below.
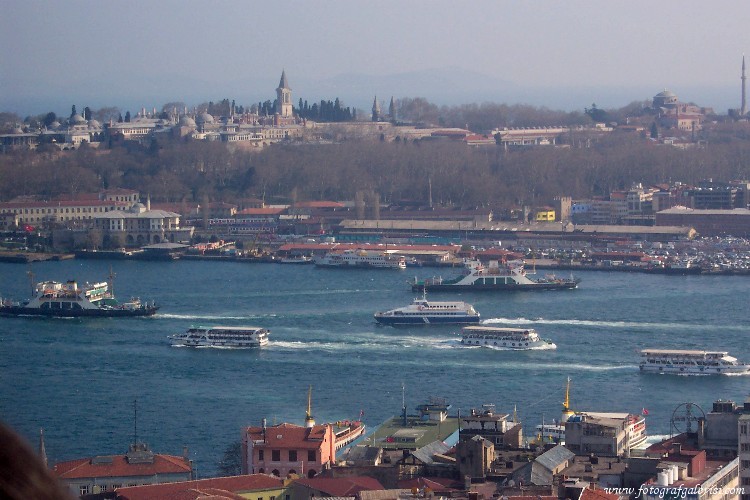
[411,432]
[492,426]
[735,222]
[255,486]
[64,212]
[139,225]
[138,466]
[605,434]
[285,449]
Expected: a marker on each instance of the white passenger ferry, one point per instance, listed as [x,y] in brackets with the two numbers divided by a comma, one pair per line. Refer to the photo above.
[425,312]
[504,338]
[684,362]
[370,259]
[222,336]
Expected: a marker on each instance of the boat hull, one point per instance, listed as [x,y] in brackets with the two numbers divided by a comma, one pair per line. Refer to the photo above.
[425,320]
[694,370]
[13,311]
[419,287]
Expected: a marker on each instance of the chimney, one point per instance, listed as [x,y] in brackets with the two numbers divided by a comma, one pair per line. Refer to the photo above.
[677,448]
[185,453]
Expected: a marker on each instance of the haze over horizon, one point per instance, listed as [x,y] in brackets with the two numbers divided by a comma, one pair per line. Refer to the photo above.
[545,53]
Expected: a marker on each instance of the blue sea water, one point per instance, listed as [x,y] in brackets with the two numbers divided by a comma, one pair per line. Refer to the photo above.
[78,378]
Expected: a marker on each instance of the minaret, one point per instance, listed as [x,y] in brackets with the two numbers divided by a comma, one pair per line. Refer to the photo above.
[743,107]
[284,97]
[309,420]
[376,110]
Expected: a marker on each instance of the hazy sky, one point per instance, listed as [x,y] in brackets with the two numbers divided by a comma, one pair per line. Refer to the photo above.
[563,54]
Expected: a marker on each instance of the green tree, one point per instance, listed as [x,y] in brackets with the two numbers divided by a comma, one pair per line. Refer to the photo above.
[127,117]
[72,110]
[231,462]
[596,114]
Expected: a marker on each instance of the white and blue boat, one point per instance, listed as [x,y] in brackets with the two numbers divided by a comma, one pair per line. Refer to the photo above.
[425,312]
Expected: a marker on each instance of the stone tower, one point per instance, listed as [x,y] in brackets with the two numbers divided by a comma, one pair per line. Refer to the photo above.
[743,107]
[284,97]
[376,110]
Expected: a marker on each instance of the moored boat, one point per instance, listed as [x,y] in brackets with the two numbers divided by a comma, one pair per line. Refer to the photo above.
[504,338]
[509,276]
[71,300]
[425,312]
[691,362]
[368,259]
[222,336]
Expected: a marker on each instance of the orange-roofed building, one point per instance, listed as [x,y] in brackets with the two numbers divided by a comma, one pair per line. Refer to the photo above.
[288,449]
[137,467]
[255,486]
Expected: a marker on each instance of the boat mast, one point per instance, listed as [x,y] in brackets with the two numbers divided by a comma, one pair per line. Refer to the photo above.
[309,420]
[31,280]
[111,282]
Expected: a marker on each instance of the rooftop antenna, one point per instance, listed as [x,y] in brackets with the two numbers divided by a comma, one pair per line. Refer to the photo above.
[135,422]
[403,403]
[567,412]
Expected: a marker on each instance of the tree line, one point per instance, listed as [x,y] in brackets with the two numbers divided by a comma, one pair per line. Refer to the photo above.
[448,172]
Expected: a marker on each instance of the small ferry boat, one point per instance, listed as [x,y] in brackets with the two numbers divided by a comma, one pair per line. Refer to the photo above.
[504,338]
[687,362]
[71,300]
[510,276]
[222,336]
[369,259]
[425,312]
[295,259]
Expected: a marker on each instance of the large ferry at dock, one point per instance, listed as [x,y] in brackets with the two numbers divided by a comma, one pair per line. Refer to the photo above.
[504,338]
[72,300]
[222,336]
[508,276]
[687,362]
[425,312]
[369,259]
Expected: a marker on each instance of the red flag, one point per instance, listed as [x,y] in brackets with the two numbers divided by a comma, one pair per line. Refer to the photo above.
[644,411]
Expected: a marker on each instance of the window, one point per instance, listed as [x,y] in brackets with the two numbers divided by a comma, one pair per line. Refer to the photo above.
[261,455]
[292,455]
[276,455]
[311,455]
[84,489]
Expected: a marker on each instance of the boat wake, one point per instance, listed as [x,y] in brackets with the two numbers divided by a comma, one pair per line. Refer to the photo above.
[547,347]
[212,317]
[606,324]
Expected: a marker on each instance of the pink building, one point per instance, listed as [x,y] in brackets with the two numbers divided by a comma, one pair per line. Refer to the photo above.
[288,449]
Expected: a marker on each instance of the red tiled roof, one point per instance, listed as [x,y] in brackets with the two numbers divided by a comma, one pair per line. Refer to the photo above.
[436,484]
[262,211]
[84,468]
[597,494]
[61,203]
[342,487]
[221,487]
[318,204]
[290,436]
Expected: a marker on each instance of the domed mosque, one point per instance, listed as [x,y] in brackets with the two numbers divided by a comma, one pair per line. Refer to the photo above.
[665,99]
